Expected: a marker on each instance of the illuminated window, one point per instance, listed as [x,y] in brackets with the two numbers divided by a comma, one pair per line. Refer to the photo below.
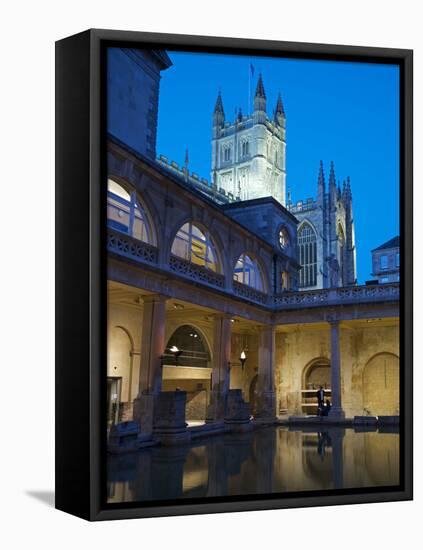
[195,246]
[125,214]
[247,272]
[397,259]
[285,280]
[283,238]
[307,247]
[384,261]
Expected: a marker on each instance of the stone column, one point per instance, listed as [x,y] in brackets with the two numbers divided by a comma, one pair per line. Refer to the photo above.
[152,350]
[222,327]
[266,395]
[335,367]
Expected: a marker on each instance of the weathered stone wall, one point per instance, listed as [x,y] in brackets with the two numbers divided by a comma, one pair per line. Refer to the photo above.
[298,349]
[198,396]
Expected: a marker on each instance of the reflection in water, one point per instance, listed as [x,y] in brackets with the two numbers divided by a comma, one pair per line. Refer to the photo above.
[274,459]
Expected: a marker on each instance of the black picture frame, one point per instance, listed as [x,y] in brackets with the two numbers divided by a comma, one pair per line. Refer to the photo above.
[81,269]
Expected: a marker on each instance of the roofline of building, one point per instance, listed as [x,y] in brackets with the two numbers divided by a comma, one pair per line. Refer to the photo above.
[390,247]
[261,201]
[187,187]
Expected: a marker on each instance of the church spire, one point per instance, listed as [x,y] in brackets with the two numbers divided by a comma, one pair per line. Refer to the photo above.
[279,112]
[260,96]
[347,194]
[279,105]
[332,183]
[321,185]
[218,108]
[218,113]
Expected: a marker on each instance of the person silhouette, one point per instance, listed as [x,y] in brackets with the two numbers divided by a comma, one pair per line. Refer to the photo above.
[320,394]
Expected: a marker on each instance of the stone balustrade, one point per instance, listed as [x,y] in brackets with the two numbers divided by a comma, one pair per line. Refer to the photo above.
[132,248]
[196,272]
[139,251]
[245,291]
[337,296]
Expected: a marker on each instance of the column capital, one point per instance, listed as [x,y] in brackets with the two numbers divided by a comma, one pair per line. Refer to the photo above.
[220,315]
[151,298]
[263,328]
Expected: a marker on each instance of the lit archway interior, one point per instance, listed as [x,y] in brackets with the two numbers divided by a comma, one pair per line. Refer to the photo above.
[190,372]
[317,374]
[381,385]
[119,374]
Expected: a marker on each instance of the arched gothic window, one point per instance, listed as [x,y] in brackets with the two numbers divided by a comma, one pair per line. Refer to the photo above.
[245,149]
[248,272]
[307,247]
[226,153]
[126,214]
[195,246]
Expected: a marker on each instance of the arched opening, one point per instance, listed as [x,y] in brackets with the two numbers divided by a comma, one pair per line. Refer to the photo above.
[253,395]
[196,246]
[248,272]
[307,250]
[126,214]
[316,374]
[119,375]
[190,372]
[381,385]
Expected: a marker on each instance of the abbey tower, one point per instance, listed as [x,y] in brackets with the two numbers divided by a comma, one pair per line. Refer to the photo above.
[248,155]
[249,162]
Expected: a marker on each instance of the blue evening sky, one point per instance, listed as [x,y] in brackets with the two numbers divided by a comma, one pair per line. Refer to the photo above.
[345,112]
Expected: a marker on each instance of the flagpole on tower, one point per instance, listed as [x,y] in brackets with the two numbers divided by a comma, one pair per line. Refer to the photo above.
[249,90]
[250,74]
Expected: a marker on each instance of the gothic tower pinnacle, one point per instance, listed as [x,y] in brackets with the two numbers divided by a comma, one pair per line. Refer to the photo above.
[321,184]
[332,185]
[279,112]
[218,113]
[260,96]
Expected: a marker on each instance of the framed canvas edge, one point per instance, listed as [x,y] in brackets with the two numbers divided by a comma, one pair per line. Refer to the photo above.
[96,305]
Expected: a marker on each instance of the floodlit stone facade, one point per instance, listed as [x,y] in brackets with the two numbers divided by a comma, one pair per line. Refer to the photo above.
[249,155]
[206,322]
[285,333]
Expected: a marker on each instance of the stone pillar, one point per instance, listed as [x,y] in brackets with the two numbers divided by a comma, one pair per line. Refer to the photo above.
[335,367]
[266,395]
[152,350]
[222,327]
